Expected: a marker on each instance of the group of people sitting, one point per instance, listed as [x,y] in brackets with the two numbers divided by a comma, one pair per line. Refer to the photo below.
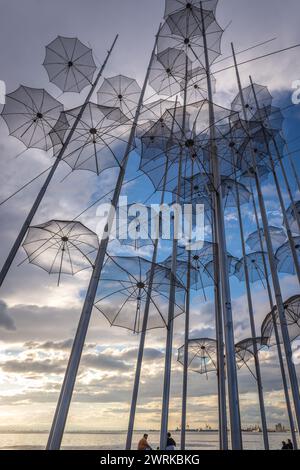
[144,444]
[287,445]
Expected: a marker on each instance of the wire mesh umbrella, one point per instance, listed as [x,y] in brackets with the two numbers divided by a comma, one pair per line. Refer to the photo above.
[99,140]
[175,6]
[184,32]
[123,291]
[30,115]
[197,85]
[69,64]
[248,176]
[292,316]
[202,355]
[168,71]
[245,349]
[263,96]
[61,247]
[278,236]
[285,257]
[292,216]
[255,264]
[229,190]
[120,91]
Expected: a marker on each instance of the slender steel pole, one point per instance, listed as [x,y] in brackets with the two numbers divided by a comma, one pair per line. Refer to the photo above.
[186,338]
[186,354]
[279,193]
[273,267]
[252,324]
[287,183]
[172,294]
[43,190]
[223,432]
[277,339]
[233,394]
[64,401]
[170,325]
[146,316]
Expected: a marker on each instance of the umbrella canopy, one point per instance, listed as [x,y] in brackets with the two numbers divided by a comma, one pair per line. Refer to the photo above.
[61,247]
[244,349]
[168,70]
[202,355]
[285,257]
[99,140]
[261,93]
[175,6]
[69,64]
[278,236]
[30,115]
[184,32]
[292,216]
[197,85]
[292,315]
[124,289]
[120,91]
[255,264]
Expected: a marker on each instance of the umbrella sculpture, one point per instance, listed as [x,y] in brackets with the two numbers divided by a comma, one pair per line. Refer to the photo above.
[61,247]
[69,64]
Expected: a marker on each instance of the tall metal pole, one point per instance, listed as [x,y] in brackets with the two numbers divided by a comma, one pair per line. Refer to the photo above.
[186,337]
[43,190]
[233,394]
[287,183]
[252,324]
[186,354]
[273,267]
[172,294]
[170,325]
[277,339]
[64,401]
[279,193]
[146,315]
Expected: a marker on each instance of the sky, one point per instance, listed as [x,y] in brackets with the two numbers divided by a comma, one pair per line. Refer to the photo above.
[38,319]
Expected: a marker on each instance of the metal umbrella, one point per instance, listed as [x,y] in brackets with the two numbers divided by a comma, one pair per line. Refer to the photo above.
[255,264]
[61,247]
[120,91]
[123,292]
[99,140]
[202,355]
[245,349]
[30,115]
[285,257]
[292,315]
[69,64]
[174,6]
[277,234]
[168,71]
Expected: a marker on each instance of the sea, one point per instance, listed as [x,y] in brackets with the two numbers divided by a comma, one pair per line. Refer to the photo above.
[116,440]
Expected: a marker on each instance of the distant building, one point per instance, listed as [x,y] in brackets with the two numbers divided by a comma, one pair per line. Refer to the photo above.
[279,428]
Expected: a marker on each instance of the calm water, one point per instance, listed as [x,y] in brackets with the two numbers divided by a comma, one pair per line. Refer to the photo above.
[110,441]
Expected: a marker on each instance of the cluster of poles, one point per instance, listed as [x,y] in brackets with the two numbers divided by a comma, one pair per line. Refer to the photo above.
[200,153]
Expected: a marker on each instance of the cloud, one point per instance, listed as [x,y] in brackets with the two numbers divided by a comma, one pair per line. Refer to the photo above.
[6,321]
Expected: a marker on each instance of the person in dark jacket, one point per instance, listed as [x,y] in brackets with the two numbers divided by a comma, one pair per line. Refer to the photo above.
[284,446]
[290,445]
[171,444]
